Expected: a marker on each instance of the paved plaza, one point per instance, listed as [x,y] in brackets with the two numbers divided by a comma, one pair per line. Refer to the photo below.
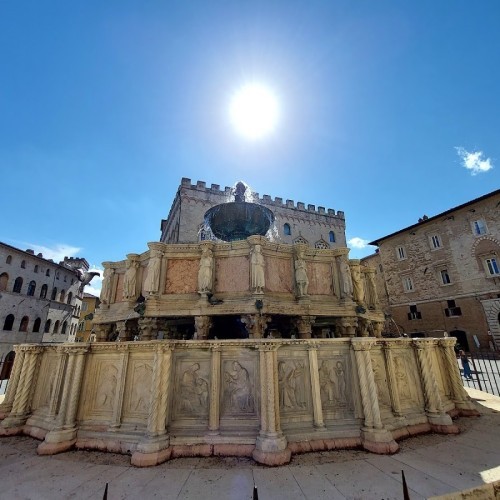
[433,465]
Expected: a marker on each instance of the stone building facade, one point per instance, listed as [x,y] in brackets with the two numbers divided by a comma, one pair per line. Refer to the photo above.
[294,222]
[85,327]
[443,274]
[39,299]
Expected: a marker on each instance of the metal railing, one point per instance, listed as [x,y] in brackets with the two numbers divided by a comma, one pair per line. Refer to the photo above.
[484,372]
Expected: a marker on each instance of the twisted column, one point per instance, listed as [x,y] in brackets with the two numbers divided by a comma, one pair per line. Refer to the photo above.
[363,384]
[459,394]
[315,387]
[21,401]
[15,377]
[120,389]
[78,355]
[391,376]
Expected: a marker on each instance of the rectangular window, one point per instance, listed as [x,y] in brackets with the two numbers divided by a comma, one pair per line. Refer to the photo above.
[492,266]
[445,277]
[401,253]
[452,309]
[84,306]
[408,284]
[414,313]
[435,241]
[479,227]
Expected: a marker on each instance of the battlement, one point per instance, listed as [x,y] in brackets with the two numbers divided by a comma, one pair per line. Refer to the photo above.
[266,199]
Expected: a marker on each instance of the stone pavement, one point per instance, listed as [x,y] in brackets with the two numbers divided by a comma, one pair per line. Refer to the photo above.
[433,465]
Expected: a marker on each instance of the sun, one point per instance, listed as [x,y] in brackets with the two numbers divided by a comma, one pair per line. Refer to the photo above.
[254,111]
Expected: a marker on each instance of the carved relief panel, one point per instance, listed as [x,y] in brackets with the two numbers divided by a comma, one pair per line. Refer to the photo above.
[380,375]
[192,387]
[239,387]
[45,381]
[294,384]
[407,383]
[335,381]
[101,387]
[137,396]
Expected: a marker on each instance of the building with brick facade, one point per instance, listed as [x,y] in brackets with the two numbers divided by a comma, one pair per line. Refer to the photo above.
[294,222]
[40,300]
[443,274]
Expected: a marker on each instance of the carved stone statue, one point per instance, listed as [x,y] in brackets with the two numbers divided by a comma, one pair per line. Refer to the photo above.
[301,278]
[194,391]
[205,272]
[372,289]
[152,282]
[291,393]
[257,270]
[130,280]
[345,274]
[327,383]
[357,283]
[106,285]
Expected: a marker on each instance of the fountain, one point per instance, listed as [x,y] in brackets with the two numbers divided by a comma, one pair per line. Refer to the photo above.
[238,220]
[253,348]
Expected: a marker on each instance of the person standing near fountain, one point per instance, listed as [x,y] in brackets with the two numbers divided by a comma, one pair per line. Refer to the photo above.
[257,271]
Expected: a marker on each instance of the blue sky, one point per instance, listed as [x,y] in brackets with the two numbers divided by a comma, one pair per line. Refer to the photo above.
[388,110]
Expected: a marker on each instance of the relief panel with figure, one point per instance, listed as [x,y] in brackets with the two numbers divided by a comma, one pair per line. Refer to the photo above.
[238,388]
[293,385]
[137,397]
[192,384]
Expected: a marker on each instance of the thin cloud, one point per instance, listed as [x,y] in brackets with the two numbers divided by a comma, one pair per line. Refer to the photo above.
[474,161]
[56,253]
[358,242]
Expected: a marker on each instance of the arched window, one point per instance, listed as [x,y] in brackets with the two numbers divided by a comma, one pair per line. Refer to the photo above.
[70,297]
[18,284]
[7,366]
[287,231]
[4,280]
[331,235]
[64,327]
[43,291]
[9,322]
[36,268]
[36,325]
[9,259]
[31,288]
[47,326]
[56,327]
[54,293]
[57,275]
[23,327]
[23,264]
[62,295]
[47,272]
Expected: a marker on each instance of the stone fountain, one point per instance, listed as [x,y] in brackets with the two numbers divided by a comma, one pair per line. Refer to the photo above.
[247,347]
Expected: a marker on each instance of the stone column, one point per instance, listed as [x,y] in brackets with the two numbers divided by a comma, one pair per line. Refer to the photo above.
[149,328]
[101,332]
[459,394]
[214,408]
[377,327]
[374,436]
[363,325]
[271,444]
[123,332]
[391,376]
[304,326]
[347,326]
[203,325]
[155,447]
[62,436]
[319,423]
[15,376]
[21,402]
[255,324]
[439,420]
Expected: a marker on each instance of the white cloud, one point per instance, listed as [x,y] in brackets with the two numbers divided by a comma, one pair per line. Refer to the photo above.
[474,161]
[358,242]
[56,253]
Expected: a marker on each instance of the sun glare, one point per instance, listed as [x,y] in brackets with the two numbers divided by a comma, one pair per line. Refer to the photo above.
[254,111]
